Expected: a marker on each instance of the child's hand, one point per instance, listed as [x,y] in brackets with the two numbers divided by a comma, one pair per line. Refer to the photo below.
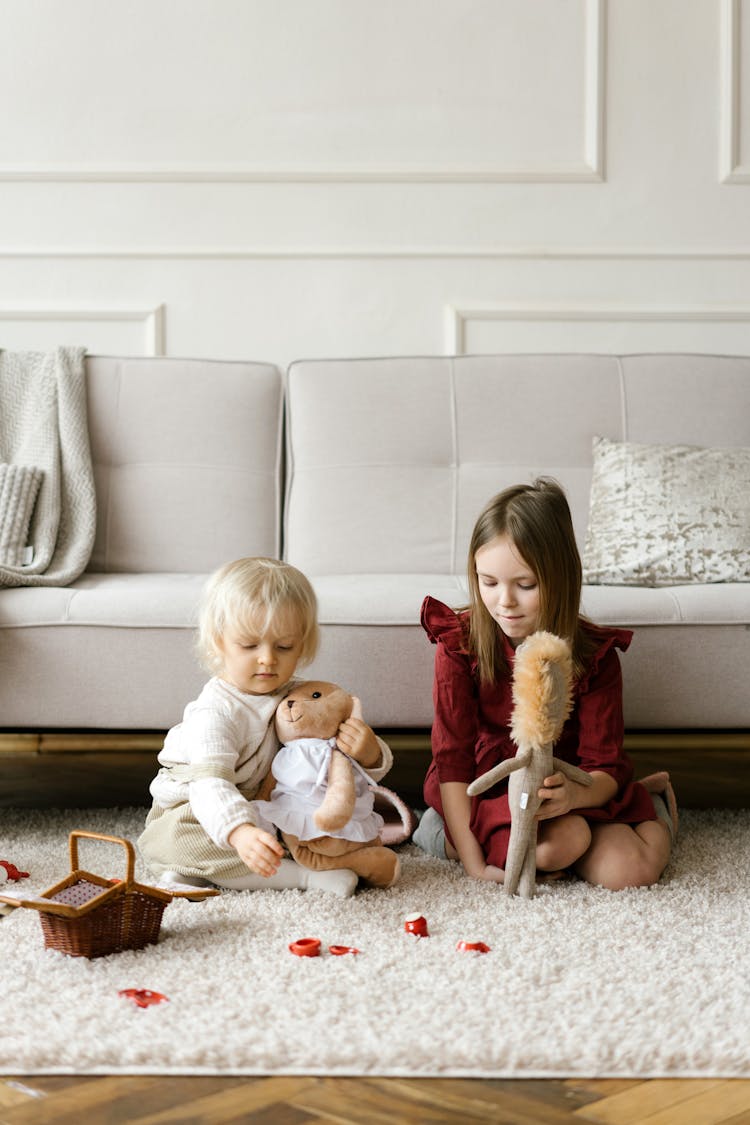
[258,849]
[356,739]
[489,874]
[558,796]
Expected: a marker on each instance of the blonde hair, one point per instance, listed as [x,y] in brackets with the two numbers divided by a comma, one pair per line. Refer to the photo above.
[248,595]
[537,520]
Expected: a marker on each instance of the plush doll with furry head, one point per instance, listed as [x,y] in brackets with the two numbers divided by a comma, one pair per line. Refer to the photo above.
[321,799]
[542,700]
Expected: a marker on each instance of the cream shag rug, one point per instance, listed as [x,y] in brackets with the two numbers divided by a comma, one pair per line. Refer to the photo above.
[579,981]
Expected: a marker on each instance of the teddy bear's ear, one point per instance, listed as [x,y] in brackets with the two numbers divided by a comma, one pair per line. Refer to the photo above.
[356,708]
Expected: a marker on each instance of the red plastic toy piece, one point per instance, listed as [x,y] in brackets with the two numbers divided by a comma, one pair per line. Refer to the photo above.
[416,924]
[143,997]
[340,950]
[473,947]
[12,870]
[305,947]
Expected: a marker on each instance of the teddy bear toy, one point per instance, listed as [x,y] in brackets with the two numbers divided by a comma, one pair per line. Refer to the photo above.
[317,796]
[542,700]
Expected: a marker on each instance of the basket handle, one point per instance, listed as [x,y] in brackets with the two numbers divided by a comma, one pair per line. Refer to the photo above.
[126,844]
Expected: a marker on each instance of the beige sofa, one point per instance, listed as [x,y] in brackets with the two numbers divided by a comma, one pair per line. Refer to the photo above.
[371,487]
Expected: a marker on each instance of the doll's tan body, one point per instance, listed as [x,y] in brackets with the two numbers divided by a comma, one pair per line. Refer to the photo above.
[542,687]
[316,709]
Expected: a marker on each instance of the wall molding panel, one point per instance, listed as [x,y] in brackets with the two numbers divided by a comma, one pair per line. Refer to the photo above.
[731,168]
[458,317]
[151,320]
[407,178]
[586,166]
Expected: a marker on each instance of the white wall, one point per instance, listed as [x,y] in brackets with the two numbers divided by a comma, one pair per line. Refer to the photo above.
[274,179]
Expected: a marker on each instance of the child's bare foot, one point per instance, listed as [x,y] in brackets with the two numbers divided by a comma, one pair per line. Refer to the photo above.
[553,876]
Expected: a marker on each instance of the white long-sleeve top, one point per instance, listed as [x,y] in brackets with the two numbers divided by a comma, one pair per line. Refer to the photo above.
[217,757]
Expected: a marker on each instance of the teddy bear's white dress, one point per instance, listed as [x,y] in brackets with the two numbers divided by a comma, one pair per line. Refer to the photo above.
[301,772]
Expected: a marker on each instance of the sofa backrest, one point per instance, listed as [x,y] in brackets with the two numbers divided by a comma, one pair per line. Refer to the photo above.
[389,461]
[187,462]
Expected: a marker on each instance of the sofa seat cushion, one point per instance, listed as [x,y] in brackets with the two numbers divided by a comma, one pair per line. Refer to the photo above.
[125,601]
[721,603]
[396,599]
[382,599]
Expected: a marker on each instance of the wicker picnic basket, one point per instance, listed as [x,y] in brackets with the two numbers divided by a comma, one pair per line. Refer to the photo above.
[86,915]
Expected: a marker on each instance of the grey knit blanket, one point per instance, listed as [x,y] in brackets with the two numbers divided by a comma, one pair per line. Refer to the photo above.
[43,427]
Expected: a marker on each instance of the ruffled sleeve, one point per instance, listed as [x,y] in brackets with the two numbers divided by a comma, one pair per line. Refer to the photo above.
[599,709]
[441,623]
[454,694]
[609,639]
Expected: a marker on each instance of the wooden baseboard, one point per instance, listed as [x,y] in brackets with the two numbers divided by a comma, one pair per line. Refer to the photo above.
[81,742]
[109,768]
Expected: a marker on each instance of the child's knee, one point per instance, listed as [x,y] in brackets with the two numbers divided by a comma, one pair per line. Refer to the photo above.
[561,842]
[640,864]
[622,872]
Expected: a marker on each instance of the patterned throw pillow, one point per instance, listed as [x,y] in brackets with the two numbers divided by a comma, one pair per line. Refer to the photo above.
[667,515]
[19,487]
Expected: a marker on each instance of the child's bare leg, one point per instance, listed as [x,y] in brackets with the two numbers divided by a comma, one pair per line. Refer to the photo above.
[561,840]
[624,855]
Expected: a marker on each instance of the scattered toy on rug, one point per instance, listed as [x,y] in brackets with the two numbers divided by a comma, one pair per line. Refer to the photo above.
[143,997]
[310,947]
[9,870]
[321,799]
[416,924]
[542,700]
[473,947]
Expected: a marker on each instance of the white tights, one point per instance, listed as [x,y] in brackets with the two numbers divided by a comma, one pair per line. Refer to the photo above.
[290,876]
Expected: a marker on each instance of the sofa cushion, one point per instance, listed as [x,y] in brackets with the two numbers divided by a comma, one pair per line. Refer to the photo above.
[407,451]
[391,460]
[719,604]
[124,601]
[187,462]
[664,515]
[685,399]
[396,599]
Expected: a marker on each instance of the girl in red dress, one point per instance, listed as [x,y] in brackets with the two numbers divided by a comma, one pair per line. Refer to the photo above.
[524,575]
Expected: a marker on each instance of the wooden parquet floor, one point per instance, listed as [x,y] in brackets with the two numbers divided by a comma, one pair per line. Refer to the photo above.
[153,1100]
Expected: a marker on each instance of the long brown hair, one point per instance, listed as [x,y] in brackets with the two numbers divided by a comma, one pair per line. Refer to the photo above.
[536,518]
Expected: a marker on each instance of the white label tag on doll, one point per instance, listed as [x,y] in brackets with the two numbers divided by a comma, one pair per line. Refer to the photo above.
[524,800]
